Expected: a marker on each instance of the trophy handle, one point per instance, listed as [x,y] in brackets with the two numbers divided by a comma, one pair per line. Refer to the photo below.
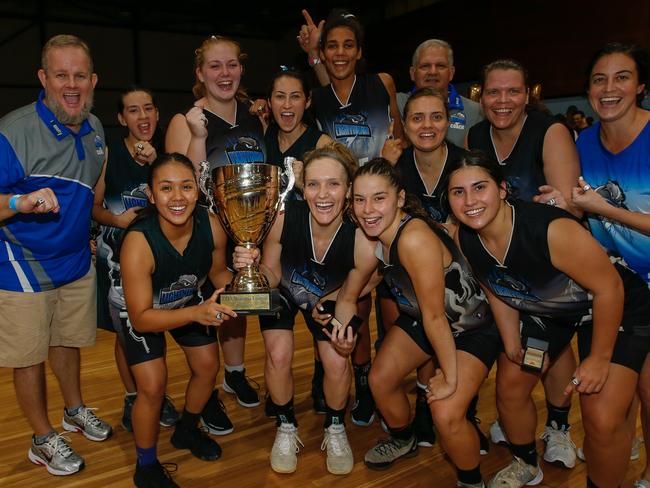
[291,180]
[204,180]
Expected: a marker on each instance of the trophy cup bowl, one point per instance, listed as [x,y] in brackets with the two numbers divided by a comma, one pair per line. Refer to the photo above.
[247,198]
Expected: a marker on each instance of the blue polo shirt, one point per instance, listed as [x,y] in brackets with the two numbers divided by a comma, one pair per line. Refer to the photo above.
[40,252]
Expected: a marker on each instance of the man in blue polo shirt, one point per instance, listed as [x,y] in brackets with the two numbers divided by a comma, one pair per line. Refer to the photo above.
[433,67]
[51,155]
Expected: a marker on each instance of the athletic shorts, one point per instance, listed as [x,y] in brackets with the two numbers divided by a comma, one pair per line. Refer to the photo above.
[140,347]
[483,343]
[558,334]
[32,322]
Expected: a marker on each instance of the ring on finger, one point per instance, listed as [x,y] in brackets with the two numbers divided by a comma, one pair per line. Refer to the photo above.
[575,381]
[260,108]
[219,315]
[587,187]
[140,147]
[552,202]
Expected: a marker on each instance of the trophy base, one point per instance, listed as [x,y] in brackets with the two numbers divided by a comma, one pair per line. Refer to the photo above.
[252,303]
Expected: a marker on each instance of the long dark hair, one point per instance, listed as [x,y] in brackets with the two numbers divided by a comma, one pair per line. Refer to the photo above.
[382,167]
[638,54]
[342,18]
[307,117]
[157,136]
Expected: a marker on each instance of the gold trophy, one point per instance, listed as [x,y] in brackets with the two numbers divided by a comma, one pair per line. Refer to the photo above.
[247,198]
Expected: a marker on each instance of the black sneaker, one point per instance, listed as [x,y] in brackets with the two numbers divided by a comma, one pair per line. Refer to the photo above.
[197,441]
[423,423]
[168,414]
[483,440]
[363,410]
[214,416]
[236,383]
[317,394]
[127,424]
[154,476]
[269,407]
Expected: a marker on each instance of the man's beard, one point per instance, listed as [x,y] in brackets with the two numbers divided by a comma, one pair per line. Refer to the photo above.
[67,119]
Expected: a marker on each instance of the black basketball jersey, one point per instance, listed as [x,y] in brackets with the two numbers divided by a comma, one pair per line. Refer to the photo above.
[466,306]
[414,184]
[361,122]
[177,277]
[528,281]
[524,166]
[306,142]
[240,143]
[304,279]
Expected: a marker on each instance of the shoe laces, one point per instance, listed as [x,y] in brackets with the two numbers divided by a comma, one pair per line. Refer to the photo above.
[517,472]
[558,437]
[388,446]
[87,416]
[168,469]
[335,441]
[59,444]
[287,439]
[240,378]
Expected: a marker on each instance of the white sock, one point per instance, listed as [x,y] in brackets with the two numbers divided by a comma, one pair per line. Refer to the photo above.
[129,394]
[238,367]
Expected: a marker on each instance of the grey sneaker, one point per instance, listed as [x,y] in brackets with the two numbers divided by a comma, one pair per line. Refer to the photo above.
[559,446]
[387,451]
[516,475]
[87,423]
[339,453]
[285,447]
[56,455]
[168,414]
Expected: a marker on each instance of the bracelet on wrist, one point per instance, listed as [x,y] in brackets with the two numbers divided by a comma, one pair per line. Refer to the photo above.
[13,201]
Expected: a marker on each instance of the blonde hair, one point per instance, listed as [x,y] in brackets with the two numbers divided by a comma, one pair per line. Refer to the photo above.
[199,58]
[61,41]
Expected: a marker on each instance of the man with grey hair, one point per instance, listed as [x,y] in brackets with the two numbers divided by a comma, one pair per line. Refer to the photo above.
[51,155]
[433,66]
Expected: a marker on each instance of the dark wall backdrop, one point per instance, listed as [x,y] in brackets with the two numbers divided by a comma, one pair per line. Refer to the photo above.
[152,43]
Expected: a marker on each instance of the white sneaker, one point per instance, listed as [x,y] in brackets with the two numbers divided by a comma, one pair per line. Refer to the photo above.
[497,436]
[516,475]
[559,446]
[339,453]
[285,448]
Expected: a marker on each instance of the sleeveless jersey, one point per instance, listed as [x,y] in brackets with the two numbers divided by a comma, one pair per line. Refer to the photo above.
[177,277]
[124,188]
[524,166]
[528,281]
[304,280]
[306,142]
[466,306]
[623,179]
[234,144]
[414,184]
[362,123]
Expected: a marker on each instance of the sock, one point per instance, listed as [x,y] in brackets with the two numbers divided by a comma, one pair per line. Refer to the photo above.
[188,421]
[403,434]
[559,415]
[73,410]
[469,476]
[146,456]
[236,367]
[591,484]
[334,417]
[40,439]
[361,374]
[129,394]
[526,452]
[285,414]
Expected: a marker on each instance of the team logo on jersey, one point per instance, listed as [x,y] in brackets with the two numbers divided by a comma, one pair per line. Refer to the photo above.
[99,145]
[457,121]
[613,193]
[178,292]
[351,125]
[507,286]
[245,150]
[135,198]
[306,286]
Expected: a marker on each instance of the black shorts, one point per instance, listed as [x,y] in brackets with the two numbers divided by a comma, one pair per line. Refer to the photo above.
[141,347]
[558,334]
[483,343]
[287,320]
[629,350]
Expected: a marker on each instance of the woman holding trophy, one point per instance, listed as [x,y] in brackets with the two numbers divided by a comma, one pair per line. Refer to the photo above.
[219,129]
[169,250]
[310,250]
